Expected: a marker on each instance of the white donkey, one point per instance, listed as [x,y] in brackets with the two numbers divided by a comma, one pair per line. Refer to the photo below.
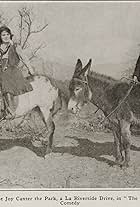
[44,96]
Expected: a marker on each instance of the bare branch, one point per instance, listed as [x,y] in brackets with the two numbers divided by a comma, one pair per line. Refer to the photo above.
[28,23]
[26,29]
[25,25]
[28,33]
[10,20]
[20,27]
[34,53]
[39,30]
[29,19]
[26,39]
[41,46]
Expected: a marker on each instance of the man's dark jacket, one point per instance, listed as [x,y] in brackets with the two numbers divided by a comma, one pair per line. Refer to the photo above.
[137,69]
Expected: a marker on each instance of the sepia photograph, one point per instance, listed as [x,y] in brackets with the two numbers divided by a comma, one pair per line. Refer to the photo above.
[70,96]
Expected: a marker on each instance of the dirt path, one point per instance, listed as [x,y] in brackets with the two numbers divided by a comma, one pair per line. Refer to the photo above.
[79,159]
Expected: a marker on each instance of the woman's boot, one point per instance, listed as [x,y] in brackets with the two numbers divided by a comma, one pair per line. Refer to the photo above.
[9,106]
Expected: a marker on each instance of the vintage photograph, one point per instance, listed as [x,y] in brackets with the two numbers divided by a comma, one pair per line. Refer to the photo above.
[69,95]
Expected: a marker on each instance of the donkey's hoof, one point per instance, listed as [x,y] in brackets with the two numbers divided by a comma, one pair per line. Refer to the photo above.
[44,143]
[119,160]
[125,165]
[49,154]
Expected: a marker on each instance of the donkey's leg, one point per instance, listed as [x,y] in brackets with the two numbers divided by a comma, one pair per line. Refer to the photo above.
[51,127]
[126,140]
[117,143]
[118,151]
[48,120]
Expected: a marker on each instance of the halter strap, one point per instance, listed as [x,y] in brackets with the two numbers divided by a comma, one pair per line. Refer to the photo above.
[86,82]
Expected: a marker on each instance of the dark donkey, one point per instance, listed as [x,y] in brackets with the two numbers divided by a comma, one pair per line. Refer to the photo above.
[106,93]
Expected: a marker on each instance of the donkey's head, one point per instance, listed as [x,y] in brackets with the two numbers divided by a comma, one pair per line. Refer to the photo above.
[79,88]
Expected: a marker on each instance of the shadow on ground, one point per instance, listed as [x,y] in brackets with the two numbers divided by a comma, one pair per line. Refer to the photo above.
[87,148]
[6,144]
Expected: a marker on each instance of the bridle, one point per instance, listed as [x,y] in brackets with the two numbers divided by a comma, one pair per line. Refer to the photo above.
[85,82]
[79,104]
[82,81]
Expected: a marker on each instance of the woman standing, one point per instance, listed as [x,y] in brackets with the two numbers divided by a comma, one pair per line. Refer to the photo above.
[11,79]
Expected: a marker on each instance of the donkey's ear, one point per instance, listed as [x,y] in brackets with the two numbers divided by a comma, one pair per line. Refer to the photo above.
[78,65]
[78,68]
[86,69]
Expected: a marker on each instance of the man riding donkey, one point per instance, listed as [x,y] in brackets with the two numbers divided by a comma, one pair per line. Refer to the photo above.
[12,81]
[136,74]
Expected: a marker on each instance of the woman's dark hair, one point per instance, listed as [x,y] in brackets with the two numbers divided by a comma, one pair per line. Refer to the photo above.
[6,29]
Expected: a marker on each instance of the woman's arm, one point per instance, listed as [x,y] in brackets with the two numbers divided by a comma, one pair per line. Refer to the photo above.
[24,59]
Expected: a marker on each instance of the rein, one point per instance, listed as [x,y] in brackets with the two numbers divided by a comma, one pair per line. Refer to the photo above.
[124,98]
[121,102]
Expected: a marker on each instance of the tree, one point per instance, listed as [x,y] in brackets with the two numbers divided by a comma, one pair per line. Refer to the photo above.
[26,22]
[26,26]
